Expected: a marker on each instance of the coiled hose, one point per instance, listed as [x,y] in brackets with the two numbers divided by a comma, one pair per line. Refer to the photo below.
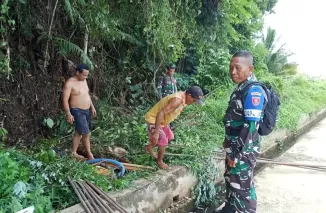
[114,162]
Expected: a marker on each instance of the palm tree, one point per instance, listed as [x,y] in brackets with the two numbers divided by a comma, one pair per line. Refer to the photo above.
[277,60]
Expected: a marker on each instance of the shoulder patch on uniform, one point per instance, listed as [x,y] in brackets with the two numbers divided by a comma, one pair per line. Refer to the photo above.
[253,103]
[256,93]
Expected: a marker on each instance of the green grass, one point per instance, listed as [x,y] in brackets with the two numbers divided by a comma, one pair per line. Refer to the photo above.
[42,180]
[299,95]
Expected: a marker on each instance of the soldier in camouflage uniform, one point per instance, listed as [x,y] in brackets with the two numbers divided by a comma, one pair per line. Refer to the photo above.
[167,85]
[242,141]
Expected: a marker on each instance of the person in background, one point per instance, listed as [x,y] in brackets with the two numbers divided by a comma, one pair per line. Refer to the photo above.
[167,84]
[77,104]
[162,114]
[242,140]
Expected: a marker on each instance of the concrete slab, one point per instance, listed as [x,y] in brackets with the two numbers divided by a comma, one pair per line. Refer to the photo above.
[151,195]
[283,189]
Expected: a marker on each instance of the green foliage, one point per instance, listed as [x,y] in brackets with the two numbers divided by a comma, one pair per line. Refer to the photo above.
[48,122]
[214,70]
[41,180]
[139,44]
[277,59]
[7,25]
[267,5]
[3,134]
[241,20]
[16,192]
[301,96]
[67,47]
[289,69]
[120,127]
[260,53]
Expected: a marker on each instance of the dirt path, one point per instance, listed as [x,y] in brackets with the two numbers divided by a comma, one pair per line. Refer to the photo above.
[282,189]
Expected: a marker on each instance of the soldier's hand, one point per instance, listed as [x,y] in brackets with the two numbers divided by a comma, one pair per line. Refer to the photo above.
[231,163]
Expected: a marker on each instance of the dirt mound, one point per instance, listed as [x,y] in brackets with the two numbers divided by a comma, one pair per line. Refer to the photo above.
[29,98]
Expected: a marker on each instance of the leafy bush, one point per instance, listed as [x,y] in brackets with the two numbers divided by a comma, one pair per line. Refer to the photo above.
[41,180]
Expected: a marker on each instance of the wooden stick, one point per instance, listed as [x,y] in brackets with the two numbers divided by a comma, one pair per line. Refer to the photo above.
[180,155]
[138,166]
[95,164]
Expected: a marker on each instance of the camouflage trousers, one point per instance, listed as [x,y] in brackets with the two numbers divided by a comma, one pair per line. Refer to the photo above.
[240,189]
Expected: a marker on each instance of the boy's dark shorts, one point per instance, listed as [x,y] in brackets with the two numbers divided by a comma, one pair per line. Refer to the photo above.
[82,119]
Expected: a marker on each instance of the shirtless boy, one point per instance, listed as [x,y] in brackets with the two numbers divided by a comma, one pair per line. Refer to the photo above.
[162,114]
[77,103]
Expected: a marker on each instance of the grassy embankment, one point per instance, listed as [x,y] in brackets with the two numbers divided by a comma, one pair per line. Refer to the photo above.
[39,178]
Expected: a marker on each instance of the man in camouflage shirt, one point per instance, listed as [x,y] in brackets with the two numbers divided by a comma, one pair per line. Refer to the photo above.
[242,141]
[167,84]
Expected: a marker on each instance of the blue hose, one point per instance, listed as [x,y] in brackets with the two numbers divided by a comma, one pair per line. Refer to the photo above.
[114,162]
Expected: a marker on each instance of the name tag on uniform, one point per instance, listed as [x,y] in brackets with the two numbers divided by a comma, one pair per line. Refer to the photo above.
[252,113]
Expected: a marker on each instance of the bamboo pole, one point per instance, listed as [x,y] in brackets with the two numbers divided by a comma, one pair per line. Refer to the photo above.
[98,199]
[283,163]
[107,197]
[90,197]
[80,197]
[260,160]
[320,168]
[87,199]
